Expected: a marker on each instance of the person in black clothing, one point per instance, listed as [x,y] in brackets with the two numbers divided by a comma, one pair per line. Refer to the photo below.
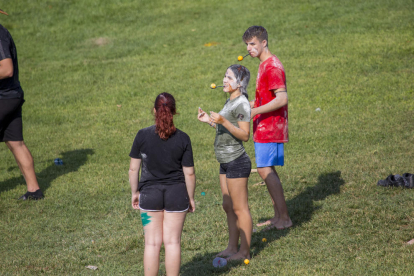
[11,101]
[165,191]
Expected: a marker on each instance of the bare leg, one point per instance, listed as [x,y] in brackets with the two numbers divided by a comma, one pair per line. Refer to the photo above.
[153,229]
[25,161]
[173,227]
[238,192]
[281,220]
[231,220]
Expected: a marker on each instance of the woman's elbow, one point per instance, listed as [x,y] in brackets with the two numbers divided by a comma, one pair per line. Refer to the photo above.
[189,175]
[246,137]
[189,171]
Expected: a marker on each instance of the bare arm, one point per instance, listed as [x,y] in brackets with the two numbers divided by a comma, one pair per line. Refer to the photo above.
[278,102]
[133,181]
[6,68]
[242,132]
[203,117]
[190,182]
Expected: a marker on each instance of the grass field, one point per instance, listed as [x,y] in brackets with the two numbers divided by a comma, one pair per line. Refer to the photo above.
[91,70]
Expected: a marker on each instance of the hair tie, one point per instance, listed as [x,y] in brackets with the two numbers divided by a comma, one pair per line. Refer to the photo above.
[164,104]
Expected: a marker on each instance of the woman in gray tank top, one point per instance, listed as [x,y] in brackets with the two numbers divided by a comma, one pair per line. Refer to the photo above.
[232,126]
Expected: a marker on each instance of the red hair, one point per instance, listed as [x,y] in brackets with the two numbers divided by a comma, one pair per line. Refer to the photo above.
[164,110]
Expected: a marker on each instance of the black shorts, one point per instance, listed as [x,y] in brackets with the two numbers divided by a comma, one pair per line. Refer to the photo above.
[159,197]
[238,168]
[11,126]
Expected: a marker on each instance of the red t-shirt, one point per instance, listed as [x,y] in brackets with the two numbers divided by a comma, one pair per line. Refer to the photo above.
[270,127]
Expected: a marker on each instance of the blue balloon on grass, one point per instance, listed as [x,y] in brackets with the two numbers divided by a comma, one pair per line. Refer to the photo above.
[219,262]
[58,162]
[203,193]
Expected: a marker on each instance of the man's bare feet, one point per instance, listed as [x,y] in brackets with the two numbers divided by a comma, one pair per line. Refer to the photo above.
[227,253]
[238,256]
[265,223]
[277,223]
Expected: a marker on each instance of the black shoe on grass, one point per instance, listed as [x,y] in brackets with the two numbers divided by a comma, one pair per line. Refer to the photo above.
[392,181]
[32,195]
[408,179]
[383,183]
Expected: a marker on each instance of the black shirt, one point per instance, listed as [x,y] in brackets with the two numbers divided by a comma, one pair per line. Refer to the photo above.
[162,160]
[9,87]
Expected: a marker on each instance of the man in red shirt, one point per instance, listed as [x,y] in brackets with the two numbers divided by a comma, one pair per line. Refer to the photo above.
[270,122]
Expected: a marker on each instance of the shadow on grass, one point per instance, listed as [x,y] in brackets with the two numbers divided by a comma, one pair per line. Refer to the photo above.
[72,161]
[301,209]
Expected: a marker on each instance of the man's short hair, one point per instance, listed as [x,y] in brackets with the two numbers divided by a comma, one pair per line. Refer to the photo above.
[255,31]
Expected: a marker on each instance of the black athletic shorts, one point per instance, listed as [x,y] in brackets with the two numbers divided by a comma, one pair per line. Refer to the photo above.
[238,168]
[11,126]
[159,197]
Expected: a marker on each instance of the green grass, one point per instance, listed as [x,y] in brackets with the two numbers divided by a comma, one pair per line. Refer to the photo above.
[91,70]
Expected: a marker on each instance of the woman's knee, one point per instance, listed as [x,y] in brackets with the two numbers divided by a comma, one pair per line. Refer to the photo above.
[241,211]
[172,241]
[227,206]
[153,243]
[153,240]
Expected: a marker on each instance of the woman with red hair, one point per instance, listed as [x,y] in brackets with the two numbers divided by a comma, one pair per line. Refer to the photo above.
[165,191]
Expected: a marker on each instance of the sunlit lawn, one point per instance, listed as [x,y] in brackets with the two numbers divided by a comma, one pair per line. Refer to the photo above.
[91,70]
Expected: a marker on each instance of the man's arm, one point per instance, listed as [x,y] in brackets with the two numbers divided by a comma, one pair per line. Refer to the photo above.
[6,68]
[278,102]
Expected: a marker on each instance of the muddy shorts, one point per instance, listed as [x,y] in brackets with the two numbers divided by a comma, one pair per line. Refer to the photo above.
[238,168]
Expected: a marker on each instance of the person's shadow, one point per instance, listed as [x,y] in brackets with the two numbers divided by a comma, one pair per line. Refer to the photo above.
[301,209]
[72,161]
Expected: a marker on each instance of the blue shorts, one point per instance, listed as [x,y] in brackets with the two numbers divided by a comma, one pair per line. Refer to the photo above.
[269,154]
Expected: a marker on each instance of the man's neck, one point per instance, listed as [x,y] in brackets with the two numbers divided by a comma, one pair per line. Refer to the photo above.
[265,55]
